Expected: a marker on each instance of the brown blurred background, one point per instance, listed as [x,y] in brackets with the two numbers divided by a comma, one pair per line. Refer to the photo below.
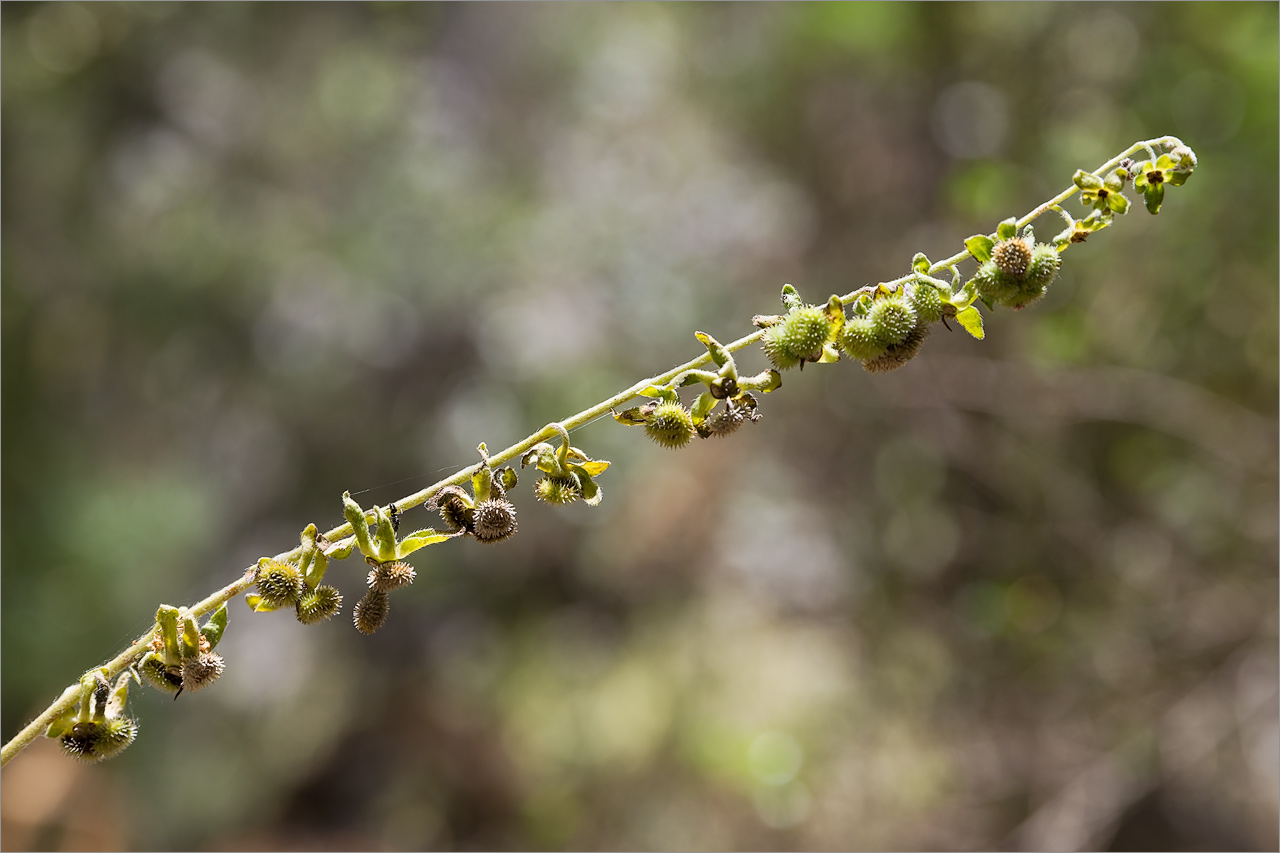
[1020,594]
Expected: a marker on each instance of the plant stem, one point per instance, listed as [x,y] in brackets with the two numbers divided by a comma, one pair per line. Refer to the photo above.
[140,646]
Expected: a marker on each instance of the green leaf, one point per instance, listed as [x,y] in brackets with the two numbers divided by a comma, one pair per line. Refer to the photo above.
[1153,197]
[216,624]
[420,539]
[1176,179]
[1086,180]
[1008,229]
[920,263]
[63,724]
[662,392]
[359,524]
[971,319]
[631,417]
[830,354]
[341,549]
[507,476]
[980,245]
[719,354]
[791,298]
[384,539]
[257,605]
[591,493]
[702,407]
[593,467]
[765,381]
[1119,202]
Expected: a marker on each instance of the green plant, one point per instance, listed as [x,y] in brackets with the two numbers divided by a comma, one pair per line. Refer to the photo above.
[882,326]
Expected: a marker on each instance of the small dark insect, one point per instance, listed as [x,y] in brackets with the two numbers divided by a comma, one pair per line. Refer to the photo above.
[395,517]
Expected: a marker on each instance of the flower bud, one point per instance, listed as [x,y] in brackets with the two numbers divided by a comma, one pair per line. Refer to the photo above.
[494,520]
[318,605]
[798,338]
[670,425]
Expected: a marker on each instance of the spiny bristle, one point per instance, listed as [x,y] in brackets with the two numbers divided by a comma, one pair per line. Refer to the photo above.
[558,490]
[280,584]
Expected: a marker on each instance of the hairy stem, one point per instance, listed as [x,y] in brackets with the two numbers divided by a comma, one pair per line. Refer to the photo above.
[140,646]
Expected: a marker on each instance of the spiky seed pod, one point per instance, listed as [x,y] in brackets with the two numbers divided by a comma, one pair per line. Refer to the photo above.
[558,490]
[159,676]
[927,302]
[670,425]
[727,421]
[798,338]
[370,612]
[899,354]
[454,511]
[1012,257]
[495,520]
[995,285]
[388,576]
[280,584]
[202,670]
[892,319]
[92,742]
[318,605]
[859,340]
[1043,269]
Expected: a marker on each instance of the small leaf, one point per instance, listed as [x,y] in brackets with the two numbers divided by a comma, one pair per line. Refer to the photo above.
[420,539]
[791,298]
[702,407]
[257,605]
[971,319]
[980,245]
[1118,202]
[341,549]
[920,263]
[63,724]
[765,381]
[1008,229]
[635,416]
[507,476]
[660,392]
[719,354]
[215,625]
[830,354]
[1154,196]
[593,467]
[591,493]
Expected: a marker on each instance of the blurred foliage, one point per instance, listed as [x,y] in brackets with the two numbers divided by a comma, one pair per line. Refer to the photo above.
[1020,593]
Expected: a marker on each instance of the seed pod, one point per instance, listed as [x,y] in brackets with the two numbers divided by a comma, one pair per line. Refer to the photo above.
[370,612]
[495,520]
[892,319]
[92,742]
[995,285]
[926,302]
[168,679]
[670,425]
[318,605]
[859,340]
[558,490]
[455,507]
[388,576]
[798,338]
[1043,269]
[279,584]
[899,354]
[727,421]
[202,670]
[1012,257]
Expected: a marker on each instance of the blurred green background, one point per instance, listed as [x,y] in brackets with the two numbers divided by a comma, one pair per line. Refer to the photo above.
[1019,594]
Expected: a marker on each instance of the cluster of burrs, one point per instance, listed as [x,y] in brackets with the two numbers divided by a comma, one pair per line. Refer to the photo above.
[721,410]
[97,728]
